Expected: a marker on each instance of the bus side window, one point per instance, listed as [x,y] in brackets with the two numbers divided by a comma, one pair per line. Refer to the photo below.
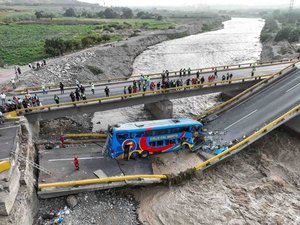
[152,143]
[173,141]
[122,136]
[167,142]
[160,143]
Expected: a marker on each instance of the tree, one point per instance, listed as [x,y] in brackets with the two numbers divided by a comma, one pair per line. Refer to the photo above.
[127,13]
[39,14]
[100,14]
[159,17]
[70,12]
[55,46]
[110,13]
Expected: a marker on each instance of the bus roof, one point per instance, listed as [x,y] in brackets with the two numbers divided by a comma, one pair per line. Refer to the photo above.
[156,123]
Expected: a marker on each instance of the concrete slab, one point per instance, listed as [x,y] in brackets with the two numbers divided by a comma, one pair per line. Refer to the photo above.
[7,140]
[92,163]
[136,167]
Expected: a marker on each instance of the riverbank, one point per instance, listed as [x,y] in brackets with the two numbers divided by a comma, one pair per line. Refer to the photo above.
[109,60]
[272,50]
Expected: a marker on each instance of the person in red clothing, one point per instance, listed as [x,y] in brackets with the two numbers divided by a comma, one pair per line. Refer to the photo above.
[76,162]
[62,141]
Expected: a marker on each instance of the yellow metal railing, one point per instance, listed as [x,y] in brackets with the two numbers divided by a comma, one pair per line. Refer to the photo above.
[122,96]
[101,180]
[206,69]
[86,135]
[4,165]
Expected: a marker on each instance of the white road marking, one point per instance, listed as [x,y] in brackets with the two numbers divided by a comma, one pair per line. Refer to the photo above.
[68,159]
[292,88]
[4,159]
[241,119]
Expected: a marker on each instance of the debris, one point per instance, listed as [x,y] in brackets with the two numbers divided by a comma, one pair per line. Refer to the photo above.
[71,201]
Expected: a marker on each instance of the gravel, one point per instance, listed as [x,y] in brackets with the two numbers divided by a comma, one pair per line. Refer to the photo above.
[100,207]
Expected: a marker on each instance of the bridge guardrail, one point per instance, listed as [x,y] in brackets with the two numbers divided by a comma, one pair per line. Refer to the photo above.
[165,177]
[125,79]
[237,97]
[86,135]
[141,93]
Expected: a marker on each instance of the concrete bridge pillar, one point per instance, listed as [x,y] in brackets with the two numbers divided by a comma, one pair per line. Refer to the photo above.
[160,110]
[34,127]
[294,124]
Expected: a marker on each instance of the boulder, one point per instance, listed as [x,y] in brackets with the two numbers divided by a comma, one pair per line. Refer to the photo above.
[71,201]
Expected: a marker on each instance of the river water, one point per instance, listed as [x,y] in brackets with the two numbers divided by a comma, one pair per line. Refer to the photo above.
[238,42]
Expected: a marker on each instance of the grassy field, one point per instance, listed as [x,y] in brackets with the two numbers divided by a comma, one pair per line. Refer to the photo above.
[24,43]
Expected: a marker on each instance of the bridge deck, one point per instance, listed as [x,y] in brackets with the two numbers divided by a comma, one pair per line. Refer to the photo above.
[256,111]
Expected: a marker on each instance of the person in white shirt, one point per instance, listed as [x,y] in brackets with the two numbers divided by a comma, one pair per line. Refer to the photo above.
[3,97]
[13,82]
[93,88]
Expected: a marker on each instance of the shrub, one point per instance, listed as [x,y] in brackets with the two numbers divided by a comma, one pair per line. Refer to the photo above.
[55,46]
[95,70]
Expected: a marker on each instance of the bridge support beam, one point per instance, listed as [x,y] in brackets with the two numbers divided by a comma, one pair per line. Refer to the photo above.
[294,124]
[160,110]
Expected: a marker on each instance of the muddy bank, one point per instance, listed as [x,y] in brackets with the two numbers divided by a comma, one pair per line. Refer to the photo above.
[254,187]
[107,61]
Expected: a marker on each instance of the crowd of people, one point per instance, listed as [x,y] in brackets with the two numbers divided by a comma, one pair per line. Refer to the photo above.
[142,84]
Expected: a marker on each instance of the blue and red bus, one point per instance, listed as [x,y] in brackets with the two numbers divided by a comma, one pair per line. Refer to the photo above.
[131,140]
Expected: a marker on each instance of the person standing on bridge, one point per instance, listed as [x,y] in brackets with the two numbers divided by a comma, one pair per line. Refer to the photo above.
[93,88]
[82,89]
[77,94]
[198,74]
[77,83]
[106,90]
[76,162]
[61,86]
[202,80]
[3,98]
[72,96]
[253,71]
[62,141]
[44,89]
[56,99]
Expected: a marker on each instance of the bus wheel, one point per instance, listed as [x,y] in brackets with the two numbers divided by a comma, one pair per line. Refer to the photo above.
[144,154]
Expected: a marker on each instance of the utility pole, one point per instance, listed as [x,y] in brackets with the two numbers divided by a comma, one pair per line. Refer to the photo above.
[291,5]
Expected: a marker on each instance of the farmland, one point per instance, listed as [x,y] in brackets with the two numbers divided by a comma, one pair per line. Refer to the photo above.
[23,36]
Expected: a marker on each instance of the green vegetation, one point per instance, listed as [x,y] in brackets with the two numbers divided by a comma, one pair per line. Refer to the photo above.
[24,43]
[281,25]
[95,70]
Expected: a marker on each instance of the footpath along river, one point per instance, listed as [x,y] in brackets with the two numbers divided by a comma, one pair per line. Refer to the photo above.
[259,185]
